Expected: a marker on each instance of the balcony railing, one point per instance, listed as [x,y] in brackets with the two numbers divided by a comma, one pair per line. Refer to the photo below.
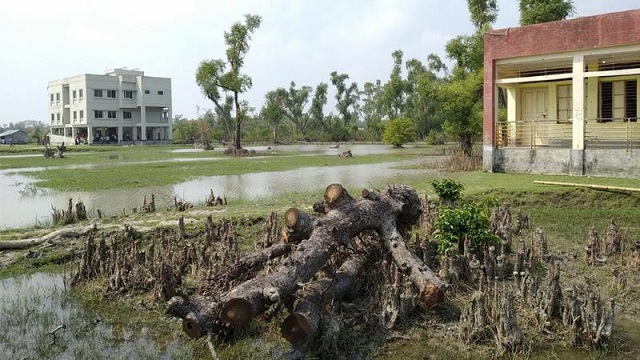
[598,133]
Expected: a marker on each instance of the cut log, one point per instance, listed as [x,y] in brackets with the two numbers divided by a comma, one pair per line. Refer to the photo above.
[302,325]
[394,212]
[297,226]
[57,235]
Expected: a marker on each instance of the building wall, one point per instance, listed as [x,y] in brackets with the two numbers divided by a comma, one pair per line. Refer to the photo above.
[624,163]
[607,30]
[150,103]
[604,33]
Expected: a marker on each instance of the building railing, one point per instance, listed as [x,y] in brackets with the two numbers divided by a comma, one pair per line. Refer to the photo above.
[544,133]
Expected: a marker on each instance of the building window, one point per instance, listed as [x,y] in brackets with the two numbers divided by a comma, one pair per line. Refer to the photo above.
[126,115]
[160,92]
[81,114]
[111,114]
[53,117]
[127,94]
[147,92]
[97,92]
[57,98]
[111,94]
[80,93]
[73,94]
[75,115]
[58,116]
[619,100]
[98,114]
[51,98]
[565,102]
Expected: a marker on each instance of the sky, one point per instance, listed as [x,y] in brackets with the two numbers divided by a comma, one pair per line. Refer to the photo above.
[298,40]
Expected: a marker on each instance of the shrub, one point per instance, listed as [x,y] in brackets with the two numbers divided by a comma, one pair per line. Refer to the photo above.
[399,131]
[448,190]
[470,221]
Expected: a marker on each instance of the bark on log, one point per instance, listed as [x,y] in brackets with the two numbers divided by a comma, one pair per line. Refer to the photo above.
[396,210]
[297,226]
[302,325]
[57,235]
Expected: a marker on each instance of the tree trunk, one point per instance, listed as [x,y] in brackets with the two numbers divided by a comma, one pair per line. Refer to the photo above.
[239,119]
[60,234]
[302,325]
[393,212]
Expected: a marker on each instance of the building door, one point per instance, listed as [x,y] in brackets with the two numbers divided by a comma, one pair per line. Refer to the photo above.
[534,117]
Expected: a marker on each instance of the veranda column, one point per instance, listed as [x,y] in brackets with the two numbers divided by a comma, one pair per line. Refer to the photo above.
[577,151]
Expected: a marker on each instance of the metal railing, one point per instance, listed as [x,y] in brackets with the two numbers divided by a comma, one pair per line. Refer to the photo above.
[598,133]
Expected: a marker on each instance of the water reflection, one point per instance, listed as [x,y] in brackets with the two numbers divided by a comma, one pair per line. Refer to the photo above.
[23,205]
[34,307]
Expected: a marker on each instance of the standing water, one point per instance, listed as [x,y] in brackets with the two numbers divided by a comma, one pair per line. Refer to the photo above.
[40,320]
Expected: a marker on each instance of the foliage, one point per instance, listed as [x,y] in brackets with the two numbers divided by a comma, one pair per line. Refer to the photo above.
[223,77]
[461,102]
[540,11]
[468,221]
[399,131]
[272,112]
[346,97]
[448,190]
[435,137]
[483,12]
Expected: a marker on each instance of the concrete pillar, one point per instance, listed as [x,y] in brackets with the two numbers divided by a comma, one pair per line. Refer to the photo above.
[143,123]
[120,137]
[577,152]
[89,134]
[578,102]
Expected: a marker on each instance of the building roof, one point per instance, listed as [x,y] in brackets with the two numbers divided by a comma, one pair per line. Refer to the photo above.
[10,132]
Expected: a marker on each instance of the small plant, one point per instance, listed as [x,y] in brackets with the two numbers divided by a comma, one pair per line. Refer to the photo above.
[448,190]
[470,221]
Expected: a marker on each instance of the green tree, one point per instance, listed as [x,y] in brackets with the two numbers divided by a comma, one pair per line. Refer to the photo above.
[540,11]
[370,110]
[483,12]
[394,91]
[295,103]
[273,111]
[184,130]
[219,77]
[346,97]
[461,107]
[399,131]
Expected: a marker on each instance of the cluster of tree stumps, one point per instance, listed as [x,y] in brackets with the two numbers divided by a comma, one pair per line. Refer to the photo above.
[503,278]
[353,264]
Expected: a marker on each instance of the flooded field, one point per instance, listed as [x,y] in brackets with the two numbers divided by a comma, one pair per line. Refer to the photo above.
[39,319]
[24,205]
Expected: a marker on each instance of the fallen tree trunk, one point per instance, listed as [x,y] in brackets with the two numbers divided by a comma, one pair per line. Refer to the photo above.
[394,211]
[64,233]
[302,324]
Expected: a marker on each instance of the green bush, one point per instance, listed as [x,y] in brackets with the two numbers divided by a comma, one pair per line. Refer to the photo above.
[448,190]
[436,138]
[399,131]
[454,224]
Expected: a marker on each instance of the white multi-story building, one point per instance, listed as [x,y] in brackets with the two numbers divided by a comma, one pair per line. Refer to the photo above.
[120,106]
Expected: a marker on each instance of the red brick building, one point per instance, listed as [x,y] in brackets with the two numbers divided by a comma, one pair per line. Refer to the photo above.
[571,94]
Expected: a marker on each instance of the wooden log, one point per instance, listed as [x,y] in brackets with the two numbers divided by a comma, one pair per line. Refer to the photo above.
[302,324]
[396,210]
[60,234]
[297,226]
[590,186]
